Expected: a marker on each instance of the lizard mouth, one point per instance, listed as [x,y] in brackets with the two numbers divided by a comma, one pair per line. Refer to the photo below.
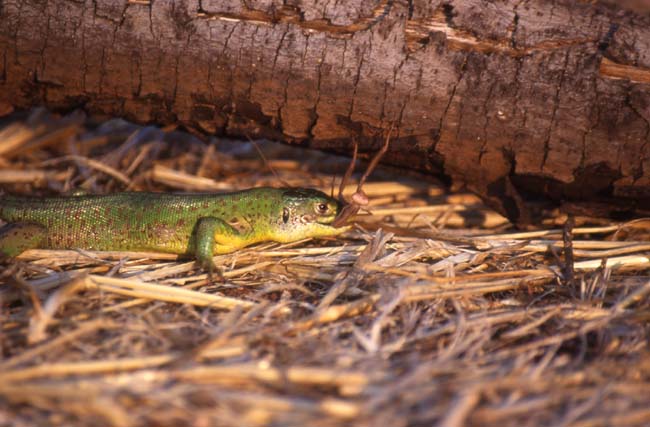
[317,219]
[331,218]
[326,220]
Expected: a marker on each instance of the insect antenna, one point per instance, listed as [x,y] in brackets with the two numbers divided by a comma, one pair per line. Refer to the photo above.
[359,198]
[348,173]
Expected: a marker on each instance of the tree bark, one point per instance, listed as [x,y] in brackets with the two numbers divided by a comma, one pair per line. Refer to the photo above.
[529,103]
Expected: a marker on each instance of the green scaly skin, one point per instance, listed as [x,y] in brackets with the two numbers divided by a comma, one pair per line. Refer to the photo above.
[198,225]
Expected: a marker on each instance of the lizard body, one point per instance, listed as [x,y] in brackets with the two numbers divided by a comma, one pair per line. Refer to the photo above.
[199,225]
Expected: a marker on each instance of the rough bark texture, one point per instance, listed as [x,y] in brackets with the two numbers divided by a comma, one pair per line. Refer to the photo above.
[521,101]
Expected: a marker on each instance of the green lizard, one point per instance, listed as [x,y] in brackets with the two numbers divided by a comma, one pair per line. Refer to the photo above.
[199,225]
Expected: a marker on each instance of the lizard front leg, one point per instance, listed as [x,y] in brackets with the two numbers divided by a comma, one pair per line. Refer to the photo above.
[17,237]
[207,232]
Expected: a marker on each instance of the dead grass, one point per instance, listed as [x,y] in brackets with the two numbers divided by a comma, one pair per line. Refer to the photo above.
[423,315]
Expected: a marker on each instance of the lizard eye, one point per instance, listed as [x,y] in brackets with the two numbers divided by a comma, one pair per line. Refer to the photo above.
[322,208]
[285,215]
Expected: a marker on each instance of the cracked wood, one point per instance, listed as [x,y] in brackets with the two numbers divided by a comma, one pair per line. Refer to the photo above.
[532,104]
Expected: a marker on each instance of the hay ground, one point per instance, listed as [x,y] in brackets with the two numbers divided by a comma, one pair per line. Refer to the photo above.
[432,311]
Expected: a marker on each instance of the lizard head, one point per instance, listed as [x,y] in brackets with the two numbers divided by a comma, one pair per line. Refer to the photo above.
[306,213]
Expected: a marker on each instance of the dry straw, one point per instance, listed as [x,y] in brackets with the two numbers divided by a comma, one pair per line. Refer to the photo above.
[433,311]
